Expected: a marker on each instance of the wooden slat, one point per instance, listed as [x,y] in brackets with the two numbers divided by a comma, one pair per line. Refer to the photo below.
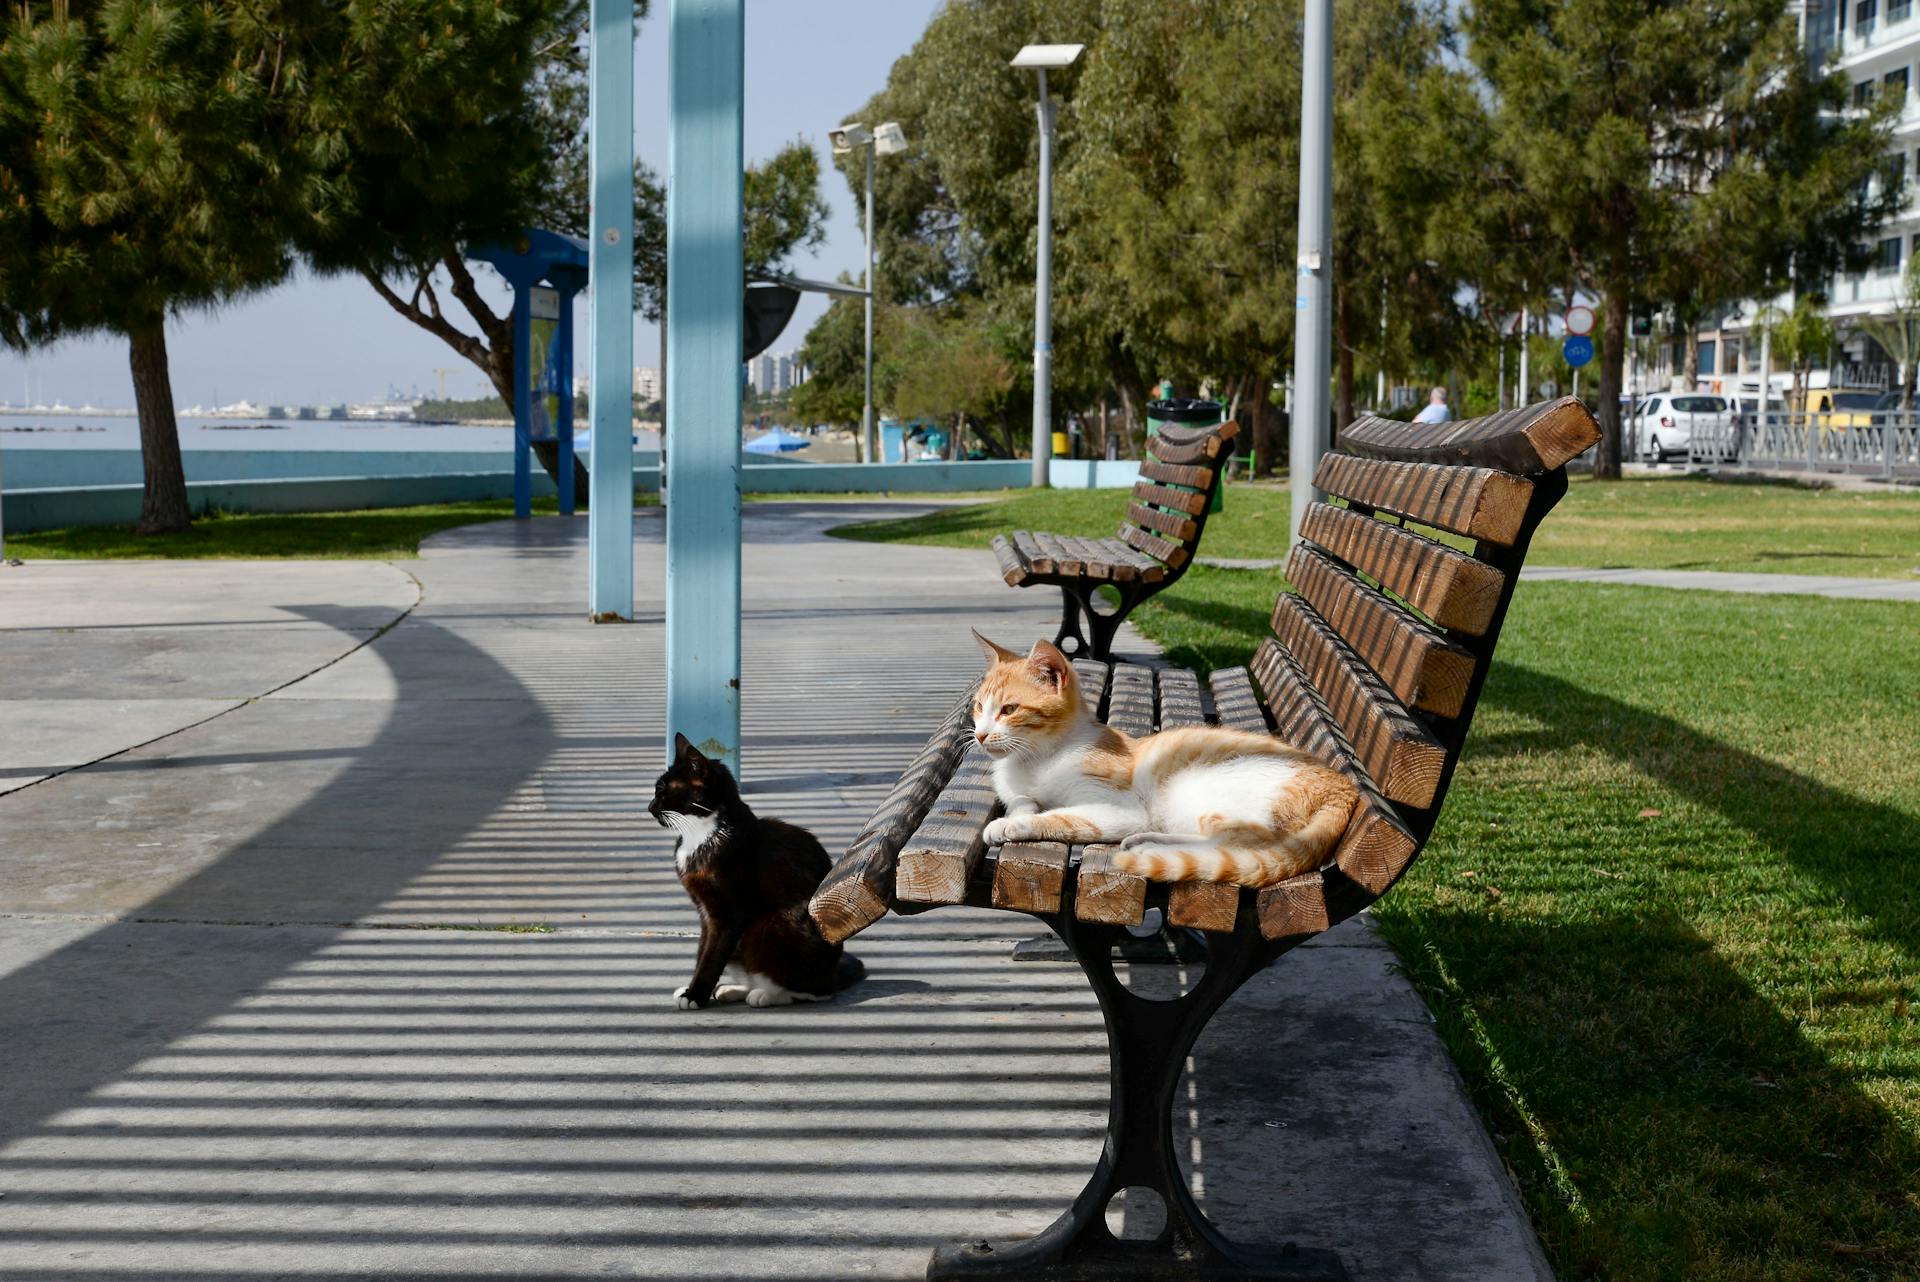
[1167,497]
[1179,691]
[1206,451]
[1028,876]
[1234,701]
[1012,568]
[1104,893]
[1065,559]
[940,858]
[1475,501]
[1094,563]
[1423,668]
[1092,675]
[857,891]
[1154,546]
[1148,569]
[1130,703]
[1297,906]
[1400,754]
[1378,845]
[1203,905]
[1447,586]
[1177,473]
[1038,562]
[1188,433]
[1171,524]
[1526,441]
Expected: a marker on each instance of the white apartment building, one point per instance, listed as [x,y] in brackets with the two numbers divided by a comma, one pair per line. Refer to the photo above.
[768,374]
[646,383]
[1875,45]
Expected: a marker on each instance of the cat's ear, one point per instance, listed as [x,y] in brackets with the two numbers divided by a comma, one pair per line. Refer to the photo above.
[683,748]
[995,653]
[1049,665]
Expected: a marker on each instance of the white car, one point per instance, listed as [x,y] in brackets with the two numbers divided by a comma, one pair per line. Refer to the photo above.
[1668,420]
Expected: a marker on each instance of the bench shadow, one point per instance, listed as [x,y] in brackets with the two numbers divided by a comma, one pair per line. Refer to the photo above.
[1860,850]
[1687,1127]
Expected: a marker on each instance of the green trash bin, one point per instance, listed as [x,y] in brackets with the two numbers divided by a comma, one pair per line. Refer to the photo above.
[1189,413]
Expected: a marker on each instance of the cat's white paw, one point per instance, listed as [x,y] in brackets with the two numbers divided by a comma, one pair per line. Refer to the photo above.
[769,997]
[1148,839]
[730,993]
[681,999]
[1010,828]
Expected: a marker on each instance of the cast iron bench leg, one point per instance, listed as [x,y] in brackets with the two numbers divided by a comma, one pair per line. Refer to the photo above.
[1077,604]
[1148,1042]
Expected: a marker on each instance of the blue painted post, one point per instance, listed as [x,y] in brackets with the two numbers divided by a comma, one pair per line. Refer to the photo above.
[706,44]
[522,401]
[563,430]
[610,272]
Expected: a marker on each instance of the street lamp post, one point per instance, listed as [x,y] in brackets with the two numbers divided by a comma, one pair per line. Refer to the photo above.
[1042,59]
[885,140]
[1313,313]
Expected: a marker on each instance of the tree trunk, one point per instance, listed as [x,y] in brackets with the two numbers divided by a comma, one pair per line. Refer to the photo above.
[1343,360]
[1613,361]
[163,504]
[1265,440]
[1691,369]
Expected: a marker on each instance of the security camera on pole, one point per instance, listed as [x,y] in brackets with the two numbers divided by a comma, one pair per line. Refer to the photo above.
[886,140]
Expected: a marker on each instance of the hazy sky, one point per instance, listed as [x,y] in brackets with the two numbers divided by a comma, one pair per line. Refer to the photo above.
[809,64]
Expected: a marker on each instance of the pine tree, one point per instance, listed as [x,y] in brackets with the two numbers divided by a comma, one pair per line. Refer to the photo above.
[139,177]
[1679,152]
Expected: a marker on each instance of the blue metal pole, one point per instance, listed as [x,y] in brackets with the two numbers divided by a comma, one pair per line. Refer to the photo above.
[610,273]
[706,88]
[563,370]
[522,401]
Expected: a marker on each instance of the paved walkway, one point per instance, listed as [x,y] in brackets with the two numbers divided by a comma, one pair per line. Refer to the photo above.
[1700,580]
[243,797]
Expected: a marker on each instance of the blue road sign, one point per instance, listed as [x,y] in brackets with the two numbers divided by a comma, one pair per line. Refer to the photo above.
[1578,349]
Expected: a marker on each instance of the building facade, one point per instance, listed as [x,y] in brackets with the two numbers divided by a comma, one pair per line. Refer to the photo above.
[1875,46]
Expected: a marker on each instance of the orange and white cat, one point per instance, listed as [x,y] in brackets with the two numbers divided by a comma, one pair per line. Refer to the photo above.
[1199,803]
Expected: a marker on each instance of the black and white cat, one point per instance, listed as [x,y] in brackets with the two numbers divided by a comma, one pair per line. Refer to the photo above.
[751,879]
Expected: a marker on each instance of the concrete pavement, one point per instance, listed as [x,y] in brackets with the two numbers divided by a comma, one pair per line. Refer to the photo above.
[252,1031]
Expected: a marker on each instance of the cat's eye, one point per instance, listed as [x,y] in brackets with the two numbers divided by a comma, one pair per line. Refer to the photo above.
[1008,709]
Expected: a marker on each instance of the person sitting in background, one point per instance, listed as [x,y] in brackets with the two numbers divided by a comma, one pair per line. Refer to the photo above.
[1436,410]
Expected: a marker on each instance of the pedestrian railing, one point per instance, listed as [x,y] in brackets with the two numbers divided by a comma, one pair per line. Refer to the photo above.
[1885,443]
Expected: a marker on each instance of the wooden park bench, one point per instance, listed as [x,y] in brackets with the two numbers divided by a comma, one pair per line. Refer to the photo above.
[1376,661]
[1152,550]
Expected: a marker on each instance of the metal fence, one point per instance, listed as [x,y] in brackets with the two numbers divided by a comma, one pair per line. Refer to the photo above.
[1885,444]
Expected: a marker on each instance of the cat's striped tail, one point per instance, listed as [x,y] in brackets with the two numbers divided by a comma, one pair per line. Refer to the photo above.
[1239,863]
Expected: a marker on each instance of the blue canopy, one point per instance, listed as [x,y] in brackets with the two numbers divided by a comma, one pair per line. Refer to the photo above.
[778,441]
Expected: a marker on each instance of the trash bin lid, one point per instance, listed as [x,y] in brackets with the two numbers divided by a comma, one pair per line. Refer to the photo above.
[1182,410]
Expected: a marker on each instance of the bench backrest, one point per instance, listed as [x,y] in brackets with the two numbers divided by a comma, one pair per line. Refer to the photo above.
[1380,650]
[1168,508]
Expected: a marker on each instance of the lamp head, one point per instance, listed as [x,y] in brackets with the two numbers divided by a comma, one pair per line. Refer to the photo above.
[889,139]
[848,137]
[1046,57]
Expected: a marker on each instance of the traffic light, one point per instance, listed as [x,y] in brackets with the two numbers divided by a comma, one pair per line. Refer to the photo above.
[1643,326]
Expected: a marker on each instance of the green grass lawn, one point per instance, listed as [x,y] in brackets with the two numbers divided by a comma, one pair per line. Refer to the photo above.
[1669,924]
[1657,523]
[380,533]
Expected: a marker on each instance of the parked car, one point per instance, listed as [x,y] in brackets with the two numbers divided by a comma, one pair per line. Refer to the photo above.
[1836,411]
[1668,421]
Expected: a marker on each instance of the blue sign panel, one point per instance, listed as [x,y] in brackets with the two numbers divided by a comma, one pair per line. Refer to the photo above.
[1578,349]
